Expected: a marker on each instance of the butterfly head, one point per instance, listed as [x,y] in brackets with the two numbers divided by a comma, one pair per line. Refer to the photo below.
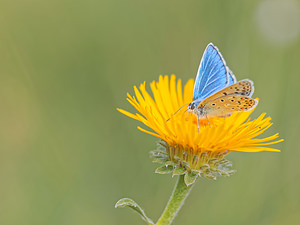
[196,109]
[192,106]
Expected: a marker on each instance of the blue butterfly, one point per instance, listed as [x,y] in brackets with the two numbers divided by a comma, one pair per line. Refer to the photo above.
[216,92]
[213,75]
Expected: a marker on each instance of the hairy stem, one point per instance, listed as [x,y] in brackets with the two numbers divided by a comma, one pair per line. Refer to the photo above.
[180,192]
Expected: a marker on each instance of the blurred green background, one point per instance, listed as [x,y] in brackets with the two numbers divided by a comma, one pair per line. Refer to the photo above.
[67,155]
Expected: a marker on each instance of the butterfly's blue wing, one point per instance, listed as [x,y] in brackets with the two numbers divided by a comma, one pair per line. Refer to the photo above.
[232,79]
[213,74]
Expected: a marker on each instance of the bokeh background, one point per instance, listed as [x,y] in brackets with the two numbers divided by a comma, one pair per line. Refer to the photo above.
[67,155]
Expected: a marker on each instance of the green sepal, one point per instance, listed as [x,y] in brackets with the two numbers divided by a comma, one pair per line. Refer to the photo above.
[159,160]
[179,171]
[213,160]
[204,166]
[196,171]
[230,172]
[190,178]
[176,158]
[170,163]
[227,173]
[209,176]
[186,165]
[162,144]
[164,169]
[133,205]
[180,161]
[158,152]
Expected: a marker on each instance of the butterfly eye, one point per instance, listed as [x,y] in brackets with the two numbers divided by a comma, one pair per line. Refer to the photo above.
[191,106]
[222,100]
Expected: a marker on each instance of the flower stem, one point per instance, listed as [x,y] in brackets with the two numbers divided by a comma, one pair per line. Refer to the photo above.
[180,192]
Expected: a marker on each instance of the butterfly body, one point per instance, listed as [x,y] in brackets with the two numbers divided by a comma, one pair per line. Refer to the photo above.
[216,92]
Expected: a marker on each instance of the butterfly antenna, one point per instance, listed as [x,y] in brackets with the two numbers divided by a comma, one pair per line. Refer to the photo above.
[178,110]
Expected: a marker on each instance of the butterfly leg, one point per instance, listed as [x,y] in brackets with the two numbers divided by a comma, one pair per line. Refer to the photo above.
[207,119]
[187,115]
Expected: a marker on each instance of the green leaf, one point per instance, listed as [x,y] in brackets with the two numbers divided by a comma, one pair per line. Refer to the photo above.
[133,205]
[190,178]
[164,169]
[179,171]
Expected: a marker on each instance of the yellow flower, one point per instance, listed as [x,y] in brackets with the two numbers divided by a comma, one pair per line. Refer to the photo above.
[187,141]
